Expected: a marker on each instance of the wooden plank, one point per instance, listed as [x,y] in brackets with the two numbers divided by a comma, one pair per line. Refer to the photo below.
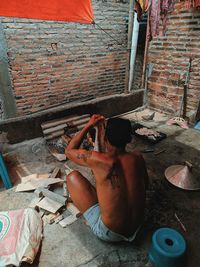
[22,170]
[49,205]
[36,183]
[52,123]
[73,210]
[68,170]
[62,126]
[65,191]
[52,217]
[68,220]
[61,132]
[34,202]
[66,139]
[38,192]
[53,196]
[34,176]
[56,173]
[59,218]
[54,129]
[54,135]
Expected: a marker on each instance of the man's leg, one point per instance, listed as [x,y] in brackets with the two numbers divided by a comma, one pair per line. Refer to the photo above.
[83,194]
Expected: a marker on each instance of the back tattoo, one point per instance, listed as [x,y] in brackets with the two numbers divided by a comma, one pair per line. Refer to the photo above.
[114,177]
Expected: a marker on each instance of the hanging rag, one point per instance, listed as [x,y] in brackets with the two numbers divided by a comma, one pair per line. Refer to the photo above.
[166,7]
[159,10]
[154,19]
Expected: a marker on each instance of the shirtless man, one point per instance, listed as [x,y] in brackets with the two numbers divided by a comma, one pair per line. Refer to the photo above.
[115,209]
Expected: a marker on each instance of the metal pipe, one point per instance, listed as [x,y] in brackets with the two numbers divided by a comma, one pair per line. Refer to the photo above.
[130,29]
[133,50]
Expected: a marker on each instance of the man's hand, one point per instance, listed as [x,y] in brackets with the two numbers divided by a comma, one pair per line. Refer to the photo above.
[73,151]
[95,119]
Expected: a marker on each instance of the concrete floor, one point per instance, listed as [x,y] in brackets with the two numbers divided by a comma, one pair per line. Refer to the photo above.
[75,245]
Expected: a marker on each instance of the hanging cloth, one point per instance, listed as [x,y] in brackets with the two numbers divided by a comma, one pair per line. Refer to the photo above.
[62,10]
[154,19]
[166,7]
[158,11]
[193,3]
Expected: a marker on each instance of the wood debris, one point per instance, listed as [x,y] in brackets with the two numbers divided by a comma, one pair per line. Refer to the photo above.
[52,217]
[34,183]
[49,205]
[34,202]
[65,191]
[56,173]
[181,224]
[159,152]
[68,220]
[47,193]
[59,218]
[68,170]
[55,128]
[73,210]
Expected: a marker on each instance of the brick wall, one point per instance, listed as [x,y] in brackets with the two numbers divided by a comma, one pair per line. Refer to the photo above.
[52,63]
[170,56]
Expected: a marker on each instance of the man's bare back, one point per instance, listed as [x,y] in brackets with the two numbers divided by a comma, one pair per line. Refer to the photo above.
[121,191]
[121,179]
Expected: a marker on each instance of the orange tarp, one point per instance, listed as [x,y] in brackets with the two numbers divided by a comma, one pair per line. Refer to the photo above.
[63,10]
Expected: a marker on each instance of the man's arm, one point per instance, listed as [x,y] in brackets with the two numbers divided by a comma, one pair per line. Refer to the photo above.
[73,151]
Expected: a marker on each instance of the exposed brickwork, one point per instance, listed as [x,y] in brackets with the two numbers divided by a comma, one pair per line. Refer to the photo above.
[54,62]
[170,56]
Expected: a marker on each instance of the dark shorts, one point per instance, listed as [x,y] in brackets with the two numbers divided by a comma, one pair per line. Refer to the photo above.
[93,216]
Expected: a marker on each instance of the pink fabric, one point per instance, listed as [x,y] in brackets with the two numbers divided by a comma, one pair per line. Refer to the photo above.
[193,3]
[166,7]
[158,8]
[154,19]
[12,223]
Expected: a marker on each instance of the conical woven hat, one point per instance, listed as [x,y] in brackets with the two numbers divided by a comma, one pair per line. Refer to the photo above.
[182,177]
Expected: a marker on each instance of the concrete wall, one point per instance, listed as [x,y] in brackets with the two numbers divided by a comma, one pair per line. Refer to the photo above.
[7,102]
[54,63]
[170,56]
[28,127]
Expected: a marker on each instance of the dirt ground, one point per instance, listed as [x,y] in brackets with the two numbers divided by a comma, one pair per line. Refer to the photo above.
[75,245]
